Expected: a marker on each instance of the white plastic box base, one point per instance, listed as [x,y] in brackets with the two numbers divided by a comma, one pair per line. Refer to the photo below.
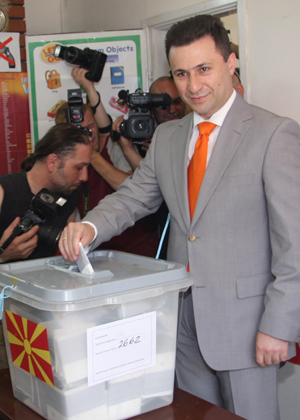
[72,398]
[120,398]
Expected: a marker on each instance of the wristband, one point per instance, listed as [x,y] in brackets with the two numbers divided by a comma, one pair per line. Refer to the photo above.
[103,130]
[115,135]
[93,108]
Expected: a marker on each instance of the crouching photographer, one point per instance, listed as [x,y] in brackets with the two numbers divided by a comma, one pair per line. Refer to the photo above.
[38,202]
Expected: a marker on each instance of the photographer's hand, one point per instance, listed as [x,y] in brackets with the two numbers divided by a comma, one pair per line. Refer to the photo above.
[126,145]
[78,75]
[22,246]
[146,144]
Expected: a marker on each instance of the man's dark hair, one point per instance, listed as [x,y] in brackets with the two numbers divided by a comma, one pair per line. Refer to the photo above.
[190,30]
[61,140]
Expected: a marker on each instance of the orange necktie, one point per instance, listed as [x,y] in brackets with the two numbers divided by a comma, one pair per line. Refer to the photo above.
[197,166]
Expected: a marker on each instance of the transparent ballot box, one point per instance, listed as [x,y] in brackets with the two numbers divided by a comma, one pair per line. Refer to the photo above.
[88,347]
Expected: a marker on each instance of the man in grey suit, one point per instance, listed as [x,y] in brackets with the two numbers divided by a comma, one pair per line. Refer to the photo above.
[241,317]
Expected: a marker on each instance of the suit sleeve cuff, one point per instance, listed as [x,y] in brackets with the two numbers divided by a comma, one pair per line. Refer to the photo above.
[89,246]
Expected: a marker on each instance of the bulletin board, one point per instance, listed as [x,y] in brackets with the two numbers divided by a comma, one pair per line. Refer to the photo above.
[50,77]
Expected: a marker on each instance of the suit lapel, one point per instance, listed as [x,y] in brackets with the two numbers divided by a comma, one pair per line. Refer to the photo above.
[233,130]
[179,151]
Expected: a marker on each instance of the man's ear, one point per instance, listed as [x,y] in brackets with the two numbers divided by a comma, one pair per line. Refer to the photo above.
[240,89]
[52,162]
[231,63]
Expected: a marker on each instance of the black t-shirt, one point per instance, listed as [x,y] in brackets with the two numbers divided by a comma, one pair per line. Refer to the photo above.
[16,202]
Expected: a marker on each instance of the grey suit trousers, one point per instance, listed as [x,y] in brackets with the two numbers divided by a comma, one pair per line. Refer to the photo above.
[250,393]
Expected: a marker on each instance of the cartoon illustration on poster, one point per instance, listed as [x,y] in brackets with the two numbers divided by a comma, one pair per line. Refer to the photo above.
[50,76]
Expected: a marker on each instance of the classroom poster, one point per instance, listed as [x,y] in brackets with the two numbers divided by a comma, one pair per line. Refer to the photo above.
[50,77]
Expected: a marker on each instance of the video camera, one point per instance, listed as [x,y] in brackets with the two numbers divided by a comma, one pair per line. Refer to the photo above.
[74,112]
[140,123]
[42,208]
[88,59]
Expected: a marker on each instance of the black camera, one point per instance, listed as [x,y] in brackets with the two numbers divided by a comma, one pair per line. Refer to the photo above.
[42,208]
[140,123]
[88,59]
[74,112]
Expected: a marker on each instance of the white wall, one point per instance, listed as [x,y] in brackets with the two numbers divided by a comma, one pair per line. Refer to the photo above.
[273,34]
[275,55]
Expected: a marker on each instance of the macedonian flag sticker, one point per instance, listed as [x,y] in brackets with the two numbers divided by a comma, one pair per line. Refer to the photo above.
[29,347]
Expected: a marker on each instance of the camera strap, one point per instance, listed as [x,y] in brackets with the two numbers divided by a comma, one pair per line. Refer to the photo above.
[16,232]
[85,198]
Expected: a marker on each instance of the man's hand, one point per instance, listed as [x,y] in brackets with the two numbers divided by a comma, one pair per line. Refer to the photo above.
[78,75]
[146,144]
[72,234]
[124,142]
[270,350]
[133,157]
[22,246]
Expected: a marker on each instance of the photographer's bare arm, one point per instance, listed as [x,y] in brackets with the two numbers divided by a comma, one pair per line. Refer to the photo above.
[22,246]
[71,236]
[113,176]
[101,117]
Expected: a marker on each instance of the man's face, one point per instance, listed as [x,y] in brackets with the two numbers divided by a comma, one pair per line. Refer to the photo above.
[202,77]
[90,123]
[71,171]
[175,110]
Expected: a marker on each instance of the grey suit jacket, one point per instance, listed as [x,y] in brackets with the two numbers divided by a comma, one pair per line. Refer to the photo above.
[245,260]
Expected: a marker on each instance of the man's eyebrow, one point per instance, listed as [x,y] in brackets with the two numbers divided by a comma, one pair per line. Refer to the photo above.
[205,64]
[176,70]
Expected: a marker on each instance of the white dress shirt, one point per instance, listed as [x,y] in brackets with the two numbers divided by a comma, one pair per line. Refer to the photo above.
[218,119]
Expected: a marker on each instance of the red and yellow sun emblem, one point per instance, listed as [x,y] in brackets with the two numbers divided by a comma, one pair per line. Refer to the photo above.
[29,347]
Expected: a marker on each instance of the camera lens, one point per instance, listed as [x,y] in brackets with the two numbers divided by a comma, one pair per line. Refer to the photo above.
[59,51]
[140,126]
[74,55]
[49,236]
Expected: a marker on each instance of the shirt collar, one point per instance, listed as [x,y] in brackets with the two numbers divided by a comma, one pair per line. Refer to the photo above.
[219,116]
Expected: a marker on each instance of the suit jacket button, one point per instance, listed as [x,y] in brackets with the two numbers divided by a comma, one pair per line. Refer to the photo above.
[192,238]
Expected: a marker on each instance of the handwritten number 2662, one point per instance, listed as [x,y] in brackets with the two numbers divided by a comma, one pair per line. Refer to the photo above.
[133,340]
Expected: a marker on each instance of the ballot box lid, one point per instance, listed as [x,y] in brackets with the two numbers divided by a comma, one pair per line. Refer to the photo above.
[56,284]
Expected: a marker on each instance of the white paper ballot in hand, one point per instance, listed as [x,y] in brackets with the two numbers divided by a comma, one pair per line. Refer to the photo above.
[83,262]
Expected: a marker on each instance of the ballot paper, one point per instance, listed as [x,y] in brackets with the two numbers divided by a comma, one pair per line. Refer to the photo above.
[83,262]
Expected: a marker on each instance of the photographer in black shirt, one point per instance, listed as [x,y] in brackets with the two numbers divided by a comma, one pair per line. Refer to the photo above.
[58,164]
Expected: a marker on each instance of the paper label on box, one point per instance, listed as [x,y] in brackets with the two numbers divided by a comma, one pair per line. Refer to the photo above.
[120,348]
